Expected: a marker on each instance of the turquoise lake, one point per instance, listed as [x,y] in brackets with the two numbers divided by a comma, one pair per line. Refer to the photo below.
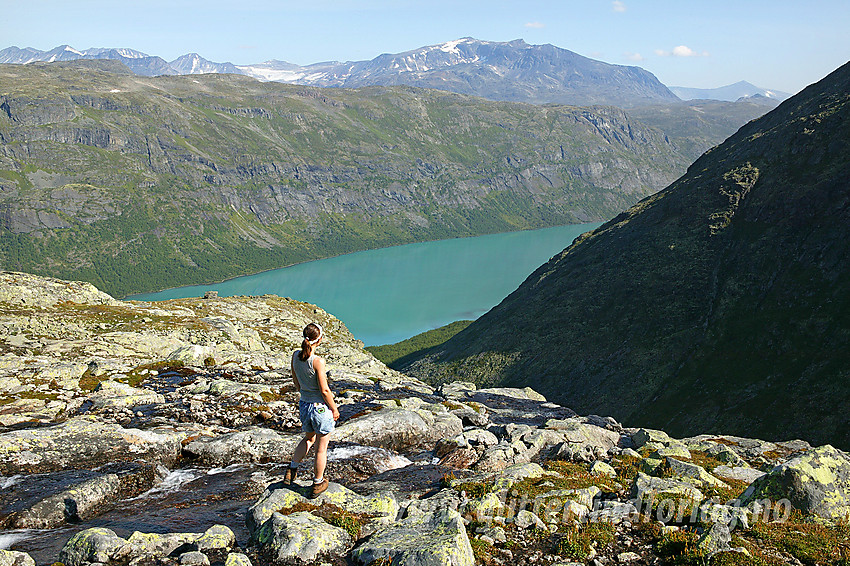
[389,294]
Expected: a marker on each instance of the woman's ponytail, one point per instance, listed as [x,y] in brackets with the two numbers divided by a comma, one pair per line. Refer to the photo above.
[312,334]
[306,350]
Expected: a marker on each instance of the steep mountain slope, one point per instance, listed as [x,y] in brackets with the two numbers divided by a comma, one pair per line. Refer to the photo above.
[138,183]
[513,71]
[722,302]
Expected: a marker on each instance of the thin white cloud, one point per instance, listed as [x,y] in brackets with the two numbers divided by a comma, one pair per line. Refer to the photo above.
[634,56]
[681,51]
[535,25]
[618,6]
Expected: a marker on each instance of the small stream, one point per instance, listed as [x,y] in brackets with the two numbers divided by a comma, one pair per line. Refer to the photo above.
[190,500]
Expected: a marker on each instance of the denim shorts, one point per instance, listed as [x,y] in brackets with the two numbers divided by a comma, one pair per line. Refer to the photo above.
[316,417]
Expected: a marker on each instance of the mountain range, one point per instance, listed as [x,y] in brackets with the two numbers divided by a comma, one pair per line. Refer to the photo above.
[719,303]
[140,183]
[730,93]
[510,71]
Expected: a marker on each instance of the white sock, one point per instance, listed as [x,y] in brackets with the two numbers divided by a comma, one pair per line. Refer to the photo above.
[318,480]
[293,465]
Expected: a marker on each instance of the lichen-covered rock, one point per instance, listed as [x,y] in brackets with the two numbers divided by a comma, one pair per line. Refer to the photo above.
[691,472]
[15,558]
[271,501]
[237,559]
[194,558]
[91,545]
[612,512]
[378,504]
[715,539]
[817,482]
[429,539]
[739,473]
[301,536]
[81,501]
[398,429]
[647,488]
[114,394]
[581,437]
[600,468]
[255,445]
[82,442]
[516,473]
[217,537]
[526,393]
[672,451]
[23,289]
[155,544]
[653,438]
[525,519]
[584,496]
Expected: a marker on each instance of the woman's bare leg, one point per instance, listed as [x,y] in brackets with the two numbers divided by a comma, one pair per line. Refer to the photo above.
[322,454]
[304,446]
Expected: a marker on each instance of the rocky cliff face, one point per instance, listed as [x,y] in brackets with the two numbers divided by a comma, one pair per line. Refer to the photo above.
[717,304]
[201,178]
[157,433]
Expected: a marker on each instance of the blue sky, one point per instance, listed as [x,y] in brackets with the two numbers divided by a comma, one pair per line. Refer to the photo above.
[777,44]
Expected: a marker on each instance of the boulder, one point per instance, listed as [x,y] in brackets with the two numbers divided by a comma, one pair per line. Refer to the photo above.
[714,540]
[650,437]
[81,501]
[647,488]
[271,501]
[301,536]
[516,473]
[82,442]
[428,539]
[817,482]
[525,394]
[194,558]
[383,506]
[582,441]
[746,474]
[398,429]
[525,519]
[692,473]
[217,537]
[462,458]
[114,394]
[456,389]
[612,512]
[91,545]
[237,559]
[600,468]
[15,558]
[255,445]
[583,496]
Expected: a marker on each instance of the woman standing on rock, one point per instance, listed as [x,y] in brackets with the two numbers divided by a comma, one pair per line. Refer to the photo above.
[316,406]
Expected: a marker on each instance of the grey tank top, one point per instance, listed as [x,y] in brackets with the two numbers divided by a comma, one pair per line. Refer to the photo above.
[307,379]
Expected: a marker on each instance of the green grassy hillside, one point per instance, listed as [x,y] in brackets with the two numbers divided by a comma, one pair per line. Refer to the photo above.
[138,183]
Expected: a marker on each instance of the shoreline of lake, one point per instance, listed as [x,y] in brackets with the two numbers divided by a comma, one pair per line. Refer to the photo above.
[385,295]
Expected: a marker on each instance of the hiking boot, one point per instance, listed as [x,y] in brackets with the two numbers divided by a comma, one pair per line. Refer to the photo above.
[319,488]
[289,476]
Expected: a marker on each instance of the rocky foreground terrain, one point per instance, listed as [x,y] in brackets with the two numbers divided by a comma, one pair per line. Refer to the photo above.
[156,433]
